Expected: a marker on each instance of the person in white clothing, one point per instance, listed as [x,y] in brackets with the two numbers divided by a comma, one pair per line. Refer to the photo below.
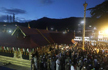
[72,67]
[77,67]
[57,64]
[35,61]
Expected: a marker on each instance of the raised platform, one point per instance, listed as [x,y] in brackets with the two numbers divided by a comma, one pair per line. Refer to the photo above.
[15,61]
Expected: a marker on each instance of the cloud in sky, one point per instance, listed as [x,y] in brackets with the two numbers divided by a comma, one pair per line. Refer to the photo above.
[13,10]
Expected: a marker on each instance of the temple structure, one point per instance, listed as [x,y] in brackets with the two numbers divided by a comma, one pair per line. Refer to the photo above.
[18,46]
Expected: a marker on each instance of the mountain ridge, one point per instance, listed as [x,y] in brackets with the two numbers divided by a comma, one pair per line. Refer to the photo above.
[70,23]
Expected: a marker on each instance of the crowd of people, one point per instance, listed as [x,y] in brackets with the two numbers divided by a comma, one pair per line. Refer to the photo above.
[72,58]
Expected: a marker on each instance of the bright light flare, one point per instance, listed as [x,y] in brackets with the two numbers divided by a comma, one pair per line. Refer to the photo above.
[106,31]
[10,31]
[82,22]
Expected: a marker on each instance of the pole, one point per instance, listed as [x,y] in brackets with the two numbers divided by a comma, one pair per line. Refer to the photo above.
[85,5]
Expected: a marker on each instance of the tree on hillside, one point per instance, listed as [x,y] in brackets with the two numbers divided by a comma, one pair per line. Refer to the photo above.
[99,14]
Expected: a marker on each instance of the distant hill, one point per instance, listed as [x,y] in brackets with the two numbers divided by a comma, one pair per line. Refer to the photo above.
[59,24]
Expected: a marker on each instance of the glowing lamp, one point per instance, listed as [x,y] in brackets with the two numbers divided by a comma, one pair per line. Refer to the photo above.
[82,22]
[9,31]
[106,31]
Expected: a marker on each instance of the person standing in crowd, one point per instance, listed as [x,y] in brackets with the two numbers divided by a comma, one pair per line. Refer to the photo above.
[67,64]
[40,58]
[72,66]
[32,62]
[48,62]
[74,59]
[35,62]
[36,53]
[58,64]
[77,67]
[52,64]
[44,62]
[84,68]
[41,65]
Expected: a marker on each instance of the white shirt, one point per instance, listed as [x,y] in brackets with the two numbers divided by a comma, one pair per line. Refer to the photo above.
[103,50]
[35,59]
[95,60]
[57,62]
[72,68]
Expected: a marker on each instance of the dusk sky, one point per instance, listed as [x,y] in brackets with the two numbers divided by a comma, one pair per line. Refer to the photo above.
[35,9]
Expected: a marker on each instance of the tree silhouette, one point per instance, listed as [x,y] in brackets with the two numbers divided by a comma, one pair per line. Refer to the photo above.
[99,14]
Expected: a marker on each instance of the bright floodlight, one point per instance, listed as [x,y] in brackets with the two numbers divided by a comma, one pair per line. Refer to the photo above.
[82,22]
[10,31]
[106,31]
